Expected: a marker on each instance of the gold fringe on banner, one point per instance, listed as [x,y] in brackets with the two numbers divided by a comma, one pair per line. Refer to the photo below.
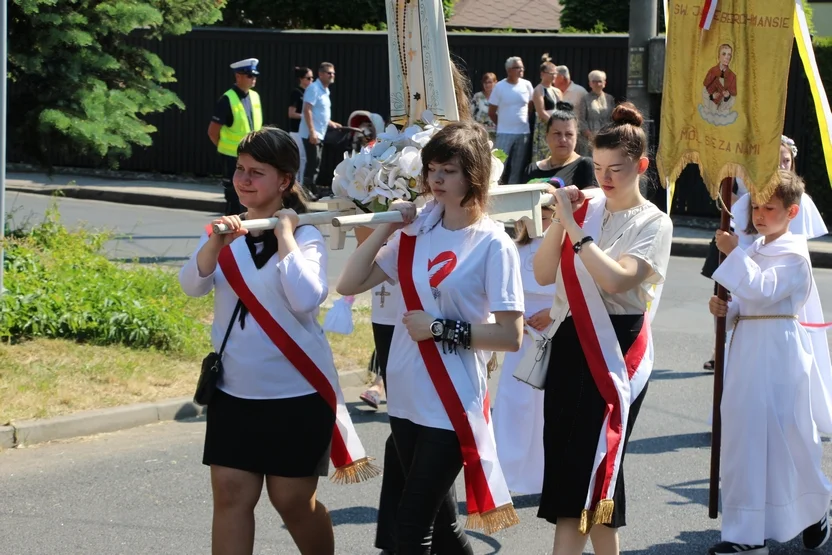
[759,193]
[355,472]
[494,520]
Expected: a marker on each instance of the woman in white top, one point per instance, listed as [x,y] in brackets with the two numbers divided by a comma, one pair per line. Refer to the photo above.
[518,409]
[607,250]
[455,267]
[266,421]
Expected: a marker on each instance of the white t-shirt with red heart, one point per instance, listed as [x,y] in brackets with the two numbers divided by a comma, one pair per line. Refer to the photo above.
[473,272]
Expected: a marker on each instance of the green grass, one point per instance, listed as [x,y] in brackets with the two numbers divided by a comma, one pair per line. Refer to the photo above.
[42,377]
[80,332]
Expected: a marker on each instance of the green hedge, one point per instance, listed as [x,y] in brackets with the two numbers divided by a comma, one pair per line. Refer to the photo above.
[59,284]
[814,168]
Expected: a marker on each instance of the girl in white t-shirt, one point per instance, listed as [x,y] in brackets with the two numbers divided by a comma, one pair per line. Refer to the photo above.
[455,267]
[267,422]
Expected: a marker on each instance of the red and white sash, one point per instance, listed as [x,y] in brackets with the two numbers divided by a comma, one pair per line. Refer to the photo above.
[489,502]
[307,353]
[620,378]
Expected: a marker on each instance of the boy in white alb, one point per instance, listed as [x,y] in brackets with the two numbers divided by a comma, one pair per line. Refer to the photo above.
[773,486]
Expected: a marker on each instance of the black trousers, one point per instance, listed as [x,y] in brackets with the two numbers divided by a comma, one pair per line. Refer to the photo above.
[392,481]
[427,519]
[313,163]
[232,201]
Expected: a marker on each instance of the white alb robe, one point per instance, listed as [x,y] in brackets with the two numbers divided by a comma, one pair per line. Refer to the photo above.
[518,408]
[773,486]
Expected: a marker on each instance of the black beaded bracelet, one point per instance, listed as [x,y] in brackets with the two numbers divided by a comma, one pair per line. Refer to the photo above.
[456,333]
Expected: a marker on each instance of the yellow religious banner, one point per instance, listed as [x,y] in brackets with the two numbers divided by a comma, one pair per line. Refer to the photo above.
[724,96]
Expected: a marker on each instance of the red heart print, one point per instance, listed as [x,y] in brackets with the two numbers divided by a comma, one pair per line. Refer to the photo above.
[449,258]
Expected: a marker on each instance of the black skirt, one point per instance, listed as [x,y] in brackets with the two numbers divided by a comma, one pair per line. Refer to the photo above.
[573,411]
[275,437]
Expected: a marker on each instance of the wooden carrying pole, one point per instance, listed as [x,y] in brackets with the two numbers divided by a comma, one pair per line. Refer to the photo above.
[725,190]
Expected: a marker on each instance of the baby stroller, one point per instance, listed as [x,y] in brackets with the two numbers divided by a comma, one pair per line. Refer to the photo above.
[368,126]
[361,130]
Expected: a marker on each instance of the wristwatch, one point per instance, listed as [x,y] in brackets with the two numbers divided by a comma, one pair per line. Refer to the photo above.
[437,328]
[580,244]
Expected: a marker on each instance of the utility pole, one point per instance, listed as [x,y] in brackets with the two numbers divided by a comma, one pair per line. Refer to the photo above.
[643,27]
[4,55]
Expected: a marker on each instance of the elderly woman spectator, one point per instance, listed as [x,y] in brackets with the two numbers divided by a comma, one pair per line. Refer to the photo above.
[480,104]
[595,110]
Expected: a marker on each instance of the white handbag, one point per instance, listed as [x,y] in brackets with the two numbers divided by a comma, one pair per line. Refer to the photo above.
[532,368]
[534,365]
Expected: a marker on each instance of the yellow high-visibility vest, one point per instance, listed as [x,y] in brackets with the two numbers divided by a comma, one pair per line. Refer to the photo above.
[230,137]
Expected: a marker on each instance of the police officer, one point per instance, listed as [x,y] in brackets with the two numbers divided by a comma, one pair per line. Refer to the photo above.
[236,114]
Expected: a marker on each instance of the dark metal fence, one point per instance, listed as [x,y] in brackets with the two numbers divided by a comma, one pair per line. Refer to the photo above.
[201,59]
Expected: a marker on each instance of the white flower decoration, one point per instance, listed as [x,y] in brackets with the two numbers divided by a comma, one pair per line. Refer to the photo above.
[410,162]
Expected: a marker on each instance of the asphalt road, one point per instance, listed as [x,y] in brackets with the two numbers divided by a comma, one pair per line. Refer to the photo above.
[144,491]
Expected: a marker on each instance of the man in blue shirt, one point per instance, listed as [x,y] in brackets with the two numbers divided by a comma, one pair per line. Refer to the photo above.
[314,121]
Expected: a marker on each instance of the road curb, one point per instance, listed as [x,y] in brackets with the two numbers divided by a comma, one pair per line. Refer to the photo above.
[698,248]
[689,248]
[6,437]
[87,423]
[123,197]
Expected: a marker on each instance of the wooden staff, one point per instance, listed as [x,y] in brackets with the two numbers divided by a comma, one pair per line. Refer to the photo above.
[726,189]
[308,218]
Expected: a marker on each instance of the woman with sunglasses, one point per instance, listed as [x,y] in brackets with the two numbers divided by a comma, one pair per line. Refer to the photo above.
[303,76]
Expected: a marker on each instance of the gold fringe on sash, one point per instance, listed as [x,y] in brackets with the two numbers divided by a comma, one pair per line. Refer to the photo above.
[601,515]
[493,520]
[355,472]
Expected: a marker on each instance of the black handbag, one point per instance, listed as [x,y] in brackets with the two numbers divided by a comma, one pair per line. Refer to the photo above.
[212,367]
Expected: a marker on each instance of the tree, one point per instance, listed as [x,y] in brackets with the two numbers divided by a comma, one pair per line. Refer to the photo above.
[310,14]
[585,15]
[79,85]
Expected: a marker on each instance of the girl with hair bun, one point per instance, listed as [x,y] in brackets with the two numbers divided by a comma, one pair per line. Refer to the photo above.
[606,250]
[276,363]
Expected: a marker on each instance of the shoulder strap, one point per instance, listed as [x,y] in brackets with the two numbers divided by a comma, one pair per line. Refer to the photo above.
[230,325]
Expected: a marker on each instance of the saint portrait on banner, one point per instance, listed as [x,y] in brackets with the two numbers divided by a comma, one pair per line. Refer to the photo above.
[719,90]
